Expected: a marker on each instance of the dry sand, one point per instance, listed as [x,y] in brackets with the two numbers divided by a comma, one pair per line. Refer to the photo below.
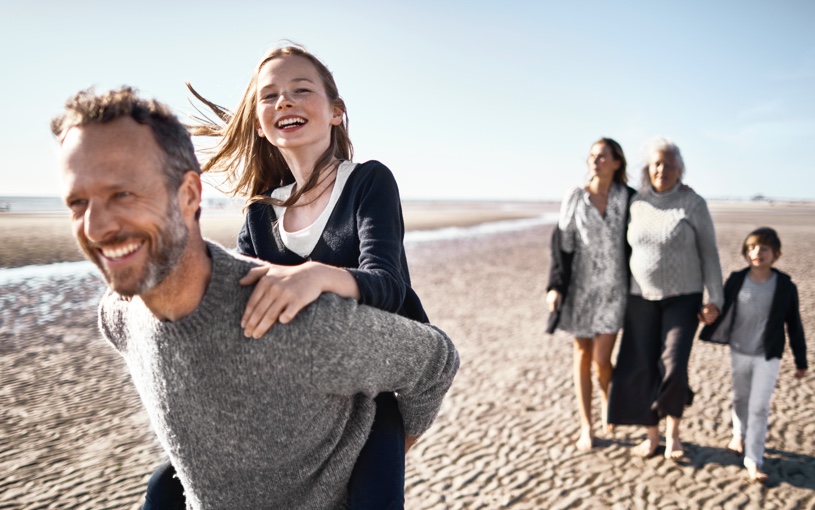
[74,434]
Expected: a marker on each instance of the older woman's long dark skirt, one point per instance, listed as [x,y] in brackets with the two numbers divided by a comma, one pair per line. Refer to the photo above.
[650,378]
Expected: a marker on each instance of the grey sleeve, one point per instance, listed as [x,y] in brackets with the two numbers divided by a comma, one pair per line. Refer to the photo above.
[110,321]
[708,252]
[359,349]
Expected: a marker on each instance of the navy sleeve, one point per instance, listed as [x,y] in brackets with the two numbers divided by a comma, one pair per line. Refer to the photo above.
[381,231]
[795,330]
[560,267]
[708,331]
[245,245]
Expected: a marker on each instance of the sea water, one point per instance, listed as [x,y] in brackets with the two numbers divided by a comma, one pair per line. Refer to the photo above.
[36,295]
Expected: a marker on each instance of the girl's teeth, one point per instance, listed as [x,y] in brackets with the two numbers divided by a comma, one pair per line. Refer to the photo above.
[290,122]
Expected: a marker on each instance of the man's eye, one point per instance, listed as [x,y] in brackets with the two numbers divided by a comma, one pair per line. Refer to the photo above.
[302,91]
[77,205]
[122,194]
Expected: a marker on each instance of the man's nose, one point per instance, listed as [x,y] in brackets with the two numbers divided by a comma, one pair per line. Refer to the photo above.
[99,222]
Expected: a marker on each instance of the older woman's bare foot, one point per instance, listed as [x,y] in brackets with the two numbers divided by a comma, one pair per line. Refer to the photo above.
[755,474]
[736,445]
[586,441]
[674,449]
[646,449]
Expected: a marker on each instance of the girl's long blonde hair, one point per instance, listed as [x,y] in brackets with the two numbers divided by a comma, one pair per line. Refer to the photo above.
[251,164]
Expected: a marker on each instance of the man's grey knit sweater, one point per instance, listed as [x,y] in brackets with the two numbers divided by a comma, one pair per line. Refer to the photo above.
[276,422]
[673,246]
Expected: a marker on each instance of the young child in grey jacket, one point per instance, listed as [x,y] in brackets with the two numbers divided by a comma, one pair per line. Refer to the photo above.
[759,300]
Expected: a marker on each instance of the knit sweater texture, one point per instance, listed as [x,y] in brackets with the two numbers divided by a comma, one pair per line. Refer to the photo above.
[276,422]
[673,246]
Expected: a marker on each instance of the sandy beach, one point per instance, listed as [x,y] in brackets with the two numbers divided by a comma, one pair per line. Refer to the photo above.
[74,435]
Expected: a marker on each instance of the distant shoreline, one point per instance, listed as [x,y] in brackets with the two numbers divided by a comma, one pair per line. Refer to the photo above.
[44,237]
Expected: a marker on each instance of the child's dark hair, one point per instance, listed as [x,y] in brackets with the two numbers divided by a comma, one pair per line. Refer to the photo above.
[766,236]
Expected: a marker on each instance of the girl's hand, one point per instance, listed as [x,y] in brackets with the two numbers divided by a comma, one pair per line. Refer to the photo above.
[800,373]
[709,314]
[280,293]
[553,299]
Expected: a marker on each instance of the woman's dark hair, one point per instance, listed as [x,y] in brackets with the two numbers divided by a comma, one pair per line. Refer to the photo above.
[617,153]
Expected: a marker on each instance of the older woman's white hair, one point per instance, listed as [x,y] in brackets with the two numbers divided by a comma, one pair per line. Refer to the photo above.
[659,144]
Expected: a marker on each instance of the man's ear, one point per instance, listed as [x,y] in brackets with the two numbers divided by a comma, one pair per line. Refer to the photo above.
[189,194]
[777,256]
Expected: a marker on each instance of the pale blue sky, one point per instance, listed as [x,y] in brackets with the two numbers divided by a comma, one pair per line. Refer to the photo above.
[462,100]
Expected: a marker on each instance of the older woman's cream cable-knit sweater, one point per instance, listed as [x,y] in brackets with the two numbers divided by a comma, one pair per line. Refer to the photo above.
[673,246]
[277,422]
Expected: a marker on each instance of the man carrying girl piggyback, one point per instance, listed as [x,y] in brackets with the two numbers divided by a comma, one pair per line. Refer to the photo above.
[759,300]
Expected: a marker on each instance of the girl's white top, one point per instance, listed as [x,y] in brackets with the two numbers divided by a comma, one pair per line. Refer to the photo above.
[302,242]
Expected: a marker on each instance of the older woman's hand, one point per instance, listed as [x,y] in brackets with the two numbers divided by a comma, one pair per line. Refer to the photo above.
[709,314]
[553,299]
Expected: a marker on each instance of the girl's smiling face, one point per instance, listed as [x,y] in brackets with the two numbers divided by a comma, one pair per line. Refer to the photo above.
[293,110]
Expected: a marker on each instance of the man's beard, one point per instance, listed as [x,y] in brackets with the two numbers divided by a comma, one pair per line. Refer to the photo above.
[166,250]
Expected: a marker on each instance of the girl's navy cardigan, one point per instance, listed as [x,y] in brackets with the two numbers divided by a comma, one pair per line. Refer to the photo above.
[364,234]
[784,310]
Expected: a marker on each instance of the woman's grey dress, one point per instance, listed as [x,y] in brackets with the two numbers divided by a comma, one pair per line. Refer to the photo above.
[595,299]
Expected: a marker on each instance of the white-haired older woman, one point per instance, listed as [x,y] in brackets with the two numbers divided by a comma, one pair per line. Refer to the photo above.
[673,259]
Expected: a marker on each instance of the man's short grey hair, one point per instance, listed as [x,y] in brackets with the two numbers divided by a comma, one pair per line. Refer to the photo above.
[88,108]
[659,144]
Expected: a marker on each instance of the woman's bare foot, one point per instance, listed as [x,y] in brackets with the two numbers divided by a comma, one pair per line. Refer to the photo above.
[756,474]
[673,448]
[646,449]
[586,440]
[609,427]
[736,445]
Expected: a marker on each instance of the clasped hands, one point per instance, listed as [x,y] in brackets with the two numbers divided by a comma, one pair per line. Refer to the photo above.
[708,314]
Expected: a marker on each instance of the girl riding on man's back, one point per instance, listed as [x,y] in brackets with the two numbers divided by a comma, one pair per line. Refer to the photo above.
[323,222]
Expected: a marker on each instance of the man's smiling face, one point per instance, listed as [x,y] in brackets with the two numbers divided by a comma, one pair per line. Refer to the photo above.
[123,216]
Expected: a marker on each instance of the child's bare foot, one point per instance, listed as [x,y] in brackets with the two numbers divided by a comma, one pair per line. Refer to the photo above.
[586,441]
[646,449]
[736,445]
[756,474]
[674,449]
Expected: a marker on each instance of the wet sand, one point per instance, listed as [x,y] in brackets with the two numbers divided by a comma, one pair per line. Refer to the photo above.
[74,434]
